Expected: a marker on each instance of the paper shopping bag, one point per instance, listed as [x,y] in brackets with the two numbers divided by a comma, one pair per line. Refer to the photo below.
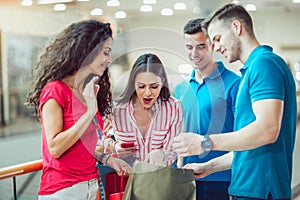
[115,185]
[149,182]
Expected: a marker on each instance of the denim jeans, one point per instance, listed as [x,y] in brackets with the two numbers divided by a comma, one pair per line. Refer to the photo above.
[212,190]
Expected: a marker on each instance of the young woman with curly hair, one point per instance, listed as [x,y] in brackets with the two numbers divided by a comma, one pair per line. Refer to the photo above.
[71,94]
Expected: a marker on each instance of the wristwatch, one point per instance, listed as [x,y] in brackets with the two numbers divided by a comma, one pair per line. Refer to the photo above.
[206,144]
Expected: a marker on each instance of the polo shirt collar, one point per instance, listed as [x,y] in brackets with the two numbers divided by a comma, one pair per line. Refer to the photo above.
[257,51]
[215,74]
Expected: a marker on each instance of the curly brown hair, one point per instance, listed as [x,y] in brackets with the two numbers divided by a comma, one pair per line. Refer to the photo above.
[64,56]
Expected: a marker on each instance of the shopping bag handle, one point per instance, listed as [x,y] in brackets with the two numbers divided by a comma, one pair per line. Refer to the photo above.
[122,182]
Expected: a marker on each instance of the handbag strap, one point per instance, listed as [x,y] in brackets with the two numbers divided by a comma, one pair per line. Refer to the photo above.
[122,182]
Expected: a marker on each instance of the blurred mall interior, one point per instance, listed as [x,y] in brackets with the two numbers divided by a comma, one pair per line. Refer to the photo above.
[139,26]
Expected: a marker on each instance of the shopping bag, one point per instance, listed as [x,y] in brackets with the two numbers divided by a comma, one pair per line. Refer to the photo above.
[149,182]
[119,195]
[114,184]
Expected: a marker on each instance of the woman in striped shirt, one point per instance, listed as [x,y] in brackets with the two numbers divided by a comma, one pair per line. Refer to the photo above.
[146,115]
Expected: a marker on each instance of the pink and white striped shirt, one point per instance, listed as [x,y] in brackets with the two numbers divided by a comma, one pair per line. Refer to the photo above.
[164,126]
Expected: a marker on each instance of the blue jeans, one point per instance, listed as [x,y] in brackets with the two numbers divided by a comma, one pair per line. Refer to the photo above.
[212,190]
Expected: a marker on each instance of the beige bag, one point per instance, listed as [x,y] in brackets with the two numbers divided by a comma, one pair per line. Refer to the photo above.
[151,182]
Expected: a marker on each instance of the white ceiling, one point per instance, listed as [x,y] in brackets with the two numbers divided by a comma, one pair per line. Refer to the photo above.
[132,6]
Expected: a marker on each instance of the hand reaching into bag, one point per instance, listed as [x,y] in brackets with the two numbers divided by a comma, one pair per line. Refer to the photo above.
[155,157]
[200,169]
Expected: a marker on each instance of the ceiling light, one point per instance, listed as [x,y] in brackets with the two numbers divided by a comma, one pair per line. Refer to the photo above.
[179,6]
[120,15]
[250,7]
[60,7]
[296,1]
[146,8]
[113,3]
[149,1]
[166,12]
[196,10]
[97,11]
[26,3]
[52,1]
[236,2]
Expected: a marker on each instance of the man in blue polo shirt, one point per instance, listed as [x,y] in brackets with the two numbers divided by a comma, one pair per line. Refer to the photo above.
[208,100]
[265,124]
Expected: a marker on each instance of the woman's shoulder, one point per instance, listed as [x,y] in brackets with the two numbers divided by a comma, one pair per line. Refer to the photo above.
[54,89]
[56,85]
[119,105]
[173,101]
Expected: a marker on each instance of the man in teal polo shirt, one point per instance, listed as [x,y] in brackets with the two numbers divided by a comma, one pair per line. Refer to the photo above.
[265,123]
[208,99]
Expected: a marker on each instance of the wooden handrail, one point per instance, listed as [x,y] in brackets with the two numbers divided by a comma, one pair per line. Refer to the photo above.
[20,169]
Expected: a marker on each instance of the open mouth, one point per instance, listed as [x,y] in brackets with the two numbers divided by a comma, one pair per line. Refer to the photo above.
[147,100]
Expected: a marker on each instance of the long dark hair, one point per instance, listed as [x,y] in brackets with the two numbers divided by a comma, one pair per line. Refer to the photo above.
[76,45]
[146,63]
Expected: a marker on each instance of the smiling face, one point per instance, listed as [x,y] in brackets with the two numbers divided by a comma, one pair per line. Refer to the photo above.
[199,50]
[225,40]
[103,59]
[147,87]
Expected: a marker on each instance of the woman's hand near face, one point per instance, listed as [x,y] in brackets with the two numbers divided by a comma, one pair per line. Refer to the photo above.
[90,93]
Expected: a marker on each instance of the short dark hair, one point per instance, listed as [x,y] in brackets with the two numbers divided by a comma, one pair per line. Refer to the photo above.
[193,26]
[146,63]
[231,12]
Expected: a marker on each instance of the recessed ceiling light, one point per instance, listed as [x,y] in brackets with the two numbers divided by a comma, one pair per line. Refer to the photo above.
[97,11]
[179,6]
[296,1]
[60,7]
[236,2]
[113,3]
[250,7]
[120,14]
[26,3]
[149,1]
[166,12]
[196,10]
[146,8]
